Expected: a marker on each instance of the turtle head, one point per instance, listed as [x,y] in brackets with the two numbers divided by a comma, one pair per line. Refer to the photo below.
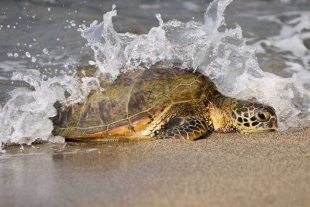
[253,117]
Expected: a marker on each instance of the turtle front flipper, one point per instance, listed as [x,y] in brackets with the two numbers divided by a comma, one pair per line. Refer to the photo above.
[188,128]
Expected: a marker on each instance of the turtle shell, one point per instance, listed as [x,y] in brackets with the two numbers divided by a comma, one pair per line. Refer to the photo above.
[135,104]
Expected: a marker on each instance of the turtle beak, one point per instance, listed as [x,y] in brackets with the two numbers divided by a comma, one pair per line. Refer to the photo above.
[273,124]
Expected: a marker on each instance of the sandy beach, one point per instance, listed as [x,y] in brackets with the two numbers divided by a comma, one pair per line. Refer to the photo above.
[270,169]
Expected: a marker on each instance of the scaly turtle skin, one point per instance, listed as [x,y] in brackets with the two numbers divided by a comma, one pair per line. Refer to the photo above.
[162,103]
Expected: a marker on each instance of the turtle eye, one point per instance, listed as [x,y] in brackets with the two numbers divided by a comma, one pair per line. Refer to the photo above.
[262,115]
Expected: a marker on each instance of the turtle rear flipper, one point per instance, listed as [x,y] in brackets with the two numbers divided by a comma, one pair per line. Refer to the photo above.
[189,128]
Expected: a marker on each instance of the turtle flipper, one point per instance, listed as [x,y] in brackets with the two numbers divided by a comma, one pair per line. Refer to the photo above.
[188,128]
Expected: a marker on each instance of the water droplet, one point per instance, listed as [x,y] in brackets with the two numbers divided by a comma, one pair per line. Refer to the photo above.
[45,51]
[48,9]
[92,62]
[72,23]
[158,16]
[33,59]
[15,54]
[10,54]
[28,54]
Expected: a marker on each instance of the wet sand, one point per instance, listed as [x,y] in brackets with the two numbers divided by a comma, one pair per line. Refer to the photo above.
[270,169]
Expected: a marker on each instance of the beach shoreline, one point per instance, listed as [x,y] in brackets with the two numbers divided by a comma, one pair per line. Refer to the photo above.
[263,169]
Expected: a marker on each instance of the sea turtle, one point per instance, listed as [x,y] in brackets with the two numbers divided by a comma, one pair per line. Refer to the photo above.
[160,102]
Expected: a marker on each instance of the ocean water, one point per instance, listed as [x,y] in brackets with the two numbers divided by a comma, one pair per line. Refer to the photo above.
[251,49]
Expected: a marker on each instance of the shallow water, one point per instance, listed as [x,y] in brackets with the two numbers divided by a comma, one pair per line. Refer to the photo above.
[41,41]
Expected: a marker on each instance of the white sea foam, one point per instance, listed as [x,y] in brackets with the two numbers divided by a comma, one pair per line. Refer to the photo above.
[25,117]
[222,54]
[294,31]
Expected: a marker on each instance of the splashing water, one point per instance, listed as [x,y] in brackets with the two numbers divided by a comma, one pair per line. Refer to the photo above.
[219,52]
[25,117]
